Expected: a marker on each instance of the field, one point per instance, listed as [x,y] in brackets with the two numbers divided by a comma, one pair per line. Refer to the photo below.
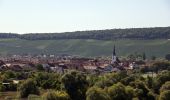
[7,94]
[86,48]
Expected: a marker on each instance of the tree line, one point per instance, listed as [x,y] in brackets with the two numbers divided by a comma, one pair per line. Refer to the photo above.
[109,34]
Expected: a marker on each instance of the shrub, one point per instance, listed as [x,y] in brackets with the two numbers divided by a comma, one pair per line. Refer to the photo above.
[165,95]
[28,87]
[56,95]
[165,86]
[34,97]
[2,88]
[95,93]
[75,84]
[117,92]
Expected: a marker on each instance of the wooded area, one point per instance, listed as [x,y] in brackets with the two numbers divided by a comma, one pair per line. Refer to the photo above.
[110,34]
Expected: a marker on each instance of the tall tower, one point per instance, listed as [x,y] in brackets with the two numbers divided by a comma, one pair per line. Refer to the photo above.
[114,58]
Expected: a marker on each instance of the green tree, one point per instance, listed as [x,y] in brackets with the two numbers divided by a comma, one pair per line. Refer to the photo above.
[109,79]
[149,81]
[167,57]
[165,95]
[56,95]
[2,88]
[28,87]
[128,79]
[129,92]
[138,93]
[40,67]
[48,80]
[7,75]
[161,78]
[95,93]
[160,65]
[141,89]
[153,57]
[117,92]
[92,79]
[75,84]
[151,96]
[165,86]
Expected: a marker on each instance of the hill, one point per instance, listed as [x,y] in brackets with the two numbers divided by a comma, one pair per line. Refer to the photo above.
[85,47]
[110,34]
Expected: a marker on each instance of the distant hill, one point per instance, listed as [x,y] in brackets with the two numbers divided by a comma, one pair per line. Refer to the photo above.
[111,34]
[85,47]
[152,41]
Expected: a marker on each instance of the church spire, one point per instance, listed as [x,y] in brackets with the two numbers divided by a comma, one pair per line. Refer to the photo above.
[114,58]
[114,51]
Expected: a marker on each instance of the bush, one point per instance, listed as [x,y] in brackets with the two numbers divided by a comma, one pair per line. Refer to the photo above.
[161,78]
[165,86]
[95,93]
[151,96]
[75,84]
[129,92]
[40,67]
[56,95]
[28,87]
[48,80]
[117,92]
[167,57]
[34,97]
[2,88]
[165,95]
[141,88]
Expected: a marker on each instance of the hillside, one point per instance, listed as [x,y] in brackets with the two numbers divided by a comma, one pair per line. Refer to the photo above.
[88,47]
[109,34]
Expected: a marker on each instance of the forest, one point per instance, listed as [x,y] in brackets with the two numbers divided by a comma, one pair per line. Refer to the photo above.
[109,34]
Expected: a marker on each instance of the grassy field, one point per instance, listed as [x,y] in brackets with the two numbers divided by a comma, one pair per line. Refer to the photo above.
[13,95]
[4,95]
[88,48]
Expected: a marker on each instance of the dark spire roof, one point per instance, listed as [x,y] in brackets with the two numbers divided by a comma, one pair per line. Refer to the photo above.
[114,51]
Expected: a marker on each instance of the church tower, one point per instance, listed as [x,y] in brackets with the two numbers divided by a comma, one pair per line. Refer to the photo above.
[114,57]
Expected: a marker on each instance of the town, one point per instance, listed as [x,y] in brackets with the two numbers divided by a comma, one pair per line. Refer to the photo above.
[60,64]
[21,75]
[84,50]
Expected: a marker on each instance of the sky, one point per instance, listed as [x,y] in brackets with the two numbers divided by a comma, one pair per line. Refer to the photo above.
[41,16]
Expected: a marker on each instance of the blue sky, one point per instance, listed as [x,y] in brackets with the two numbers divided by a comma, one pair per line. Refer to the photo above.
[25,16]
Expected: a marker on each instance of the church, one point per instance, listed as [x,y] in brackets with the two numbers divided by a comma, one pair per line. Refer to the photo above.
[115,60]
[115,64]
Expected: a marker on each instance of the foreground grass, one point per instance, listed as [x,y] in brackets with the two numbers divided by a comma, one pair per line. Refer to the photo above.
[13,95]
[9,94]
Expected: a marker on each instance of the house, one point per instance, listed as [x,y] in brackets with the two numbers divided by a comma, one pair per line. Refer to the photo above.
[108,68]
[46,66]
[16,68]
[15,81]
[88,67]
[133,65]
[1,63]
[57,69]
[111,68]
